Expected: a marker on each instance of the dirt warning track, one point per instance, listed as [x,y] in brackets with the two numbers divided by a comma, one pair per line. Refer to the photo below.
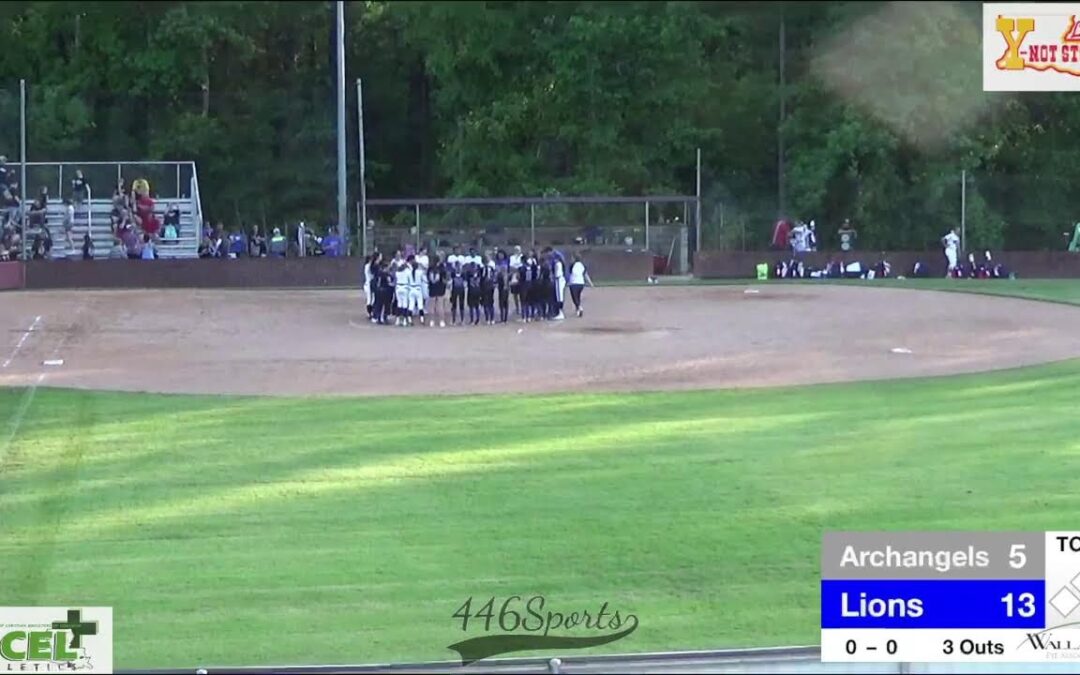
[640,338]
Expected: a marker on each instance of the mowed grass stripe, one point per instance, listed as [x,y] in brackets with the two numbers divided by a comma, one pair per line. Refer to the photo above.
[231,531]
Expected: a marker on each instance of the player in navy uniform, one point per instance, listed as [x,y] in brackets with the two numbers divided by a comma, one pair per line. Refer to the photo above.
[472,273]
[384,296]
[371,269]
[487,290]
[502,284]
[457,293]
[546,289]
[528,279]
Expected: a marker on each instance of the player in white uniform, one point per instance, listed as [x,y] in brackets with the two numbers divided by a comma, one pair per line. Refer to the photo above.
[402,276]
[369,299]
[951,242]
[422,261]
[515,278]
[559,274]
[417,286]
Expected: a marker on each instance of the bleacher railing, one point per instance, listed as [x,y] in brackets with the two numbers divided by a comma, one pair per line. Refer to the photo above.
[168,179]
[196,202]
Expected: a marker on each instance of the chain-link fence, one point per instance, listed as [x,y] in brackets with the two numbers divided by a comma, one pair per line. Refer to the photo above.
[989,211]
[661,225]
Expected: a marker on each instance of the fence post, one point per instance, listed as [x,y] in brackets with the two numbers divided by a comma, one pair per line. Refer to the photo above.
[118,174]
[22,164]
[697,203]
[60,184]
[178,180]
[646,225]
[417,228]
[532,225]
[963,211]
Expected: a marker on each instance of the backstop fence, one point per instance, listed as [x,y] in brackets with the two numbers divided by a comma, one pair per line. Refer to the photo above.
[664,225]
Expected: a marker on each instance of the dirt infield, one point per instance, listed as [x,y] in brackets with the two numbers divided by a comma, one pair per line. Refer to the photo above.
[318,342]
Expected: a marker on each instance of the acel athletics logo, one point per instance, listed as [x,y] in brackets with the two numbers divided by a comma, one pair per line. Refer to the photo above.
[1031,47]
[56,640]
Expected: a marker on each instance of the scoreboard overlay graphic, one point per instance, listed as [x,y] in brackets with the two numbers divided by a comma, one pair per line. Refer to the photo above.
[950,596]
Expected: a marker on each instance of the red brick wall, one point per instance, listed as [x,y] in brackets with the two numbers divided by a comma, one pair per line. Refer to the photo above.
[604,265]
[11,276]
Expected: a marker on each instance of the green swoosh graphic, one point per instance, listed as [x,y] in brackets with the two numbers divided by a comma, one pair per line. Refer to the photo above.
[475,649]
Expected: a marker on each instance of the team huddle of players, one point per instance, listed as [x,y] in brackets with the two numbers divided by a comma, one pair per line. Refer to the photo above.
[417,287]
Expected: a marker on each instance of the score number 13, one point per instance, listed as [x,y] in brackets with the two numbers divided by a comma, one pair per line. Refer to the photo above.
[1024,604]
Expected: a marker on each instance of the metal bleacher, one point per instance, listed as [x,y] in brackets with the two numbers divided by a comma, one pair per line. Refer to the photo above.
[94,215]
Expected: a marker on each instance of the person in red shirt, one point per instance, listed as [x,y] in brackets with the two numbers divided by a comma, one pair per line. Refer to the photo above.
[781,234]
[144,209]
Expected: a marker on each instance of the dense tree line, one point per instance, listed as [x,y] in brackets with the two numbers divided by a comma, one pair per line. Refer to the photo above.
[883,108]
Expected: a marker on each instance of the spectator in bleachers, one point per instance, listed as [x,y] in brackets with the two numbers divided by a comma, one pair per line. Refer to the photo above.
[331,244]
[87,247]
[69,224]
[11,208]
[170,236]
[117,252]
[217,239]
[278,244]
[172,217]
[80,189]
[148,251]
[10,244]
[5,175]
[120,201]
[237,245]
[144,215]
[131,243]
[42,246]
[258,243]
[205,246]
[39,209]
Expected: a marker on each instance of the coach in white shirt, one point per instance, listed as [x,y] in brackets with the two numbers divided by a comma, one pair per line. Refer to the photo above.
[579,276]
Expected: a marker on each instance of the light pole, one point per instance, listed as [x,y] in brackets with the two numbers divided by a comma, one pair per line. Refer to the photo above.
[342,201]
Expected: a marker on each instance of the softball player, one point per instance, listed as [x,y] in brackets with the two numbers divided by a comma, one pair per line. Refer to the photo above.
[417,288]
[457,293]
[515,276]
[423,261]
[951,242]
[473,291]
[559,279]
[436,276]
[402,279]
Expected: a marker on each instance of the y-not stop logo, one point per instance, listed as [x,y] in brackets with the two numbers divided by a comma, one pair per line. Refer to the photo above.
[56,639]
[1031,47]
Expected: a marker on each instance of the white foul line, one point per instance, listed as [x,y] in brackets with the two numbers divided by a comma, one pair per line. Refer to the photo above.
[7,362]
[16,420]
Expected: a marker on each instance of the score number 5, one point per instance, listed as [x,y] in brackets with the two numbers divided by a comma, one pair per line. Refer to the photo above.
[1017,558]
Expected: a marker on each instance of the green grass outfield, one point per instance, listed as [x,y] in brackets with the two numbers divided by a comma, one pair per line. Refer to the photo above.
[230,531]
[1052,290]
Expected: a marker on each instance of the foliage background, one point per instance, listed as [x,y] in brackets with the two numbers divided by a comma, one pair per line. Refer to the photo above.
[884,108]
